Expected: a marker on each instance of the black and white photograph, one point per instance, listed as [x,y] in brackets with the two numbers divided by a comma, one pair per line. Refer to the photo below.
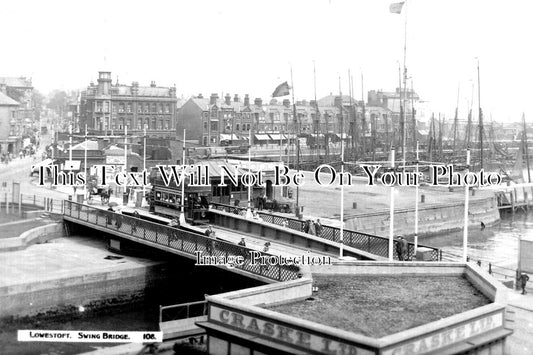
[258,177]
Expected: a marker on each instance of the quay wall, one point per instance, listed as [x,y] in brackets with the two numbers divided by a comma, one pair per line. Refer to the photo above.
[35,235]
[91,290]
[438,218]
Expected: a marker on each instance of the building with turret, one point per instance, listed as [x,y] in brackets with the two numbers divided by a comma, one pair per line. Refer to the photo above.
[106,108]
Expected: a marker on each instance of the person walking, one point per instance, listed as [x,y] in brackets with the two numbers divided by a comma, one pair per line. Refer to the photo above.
[318,228]
[136,216]
[523,282]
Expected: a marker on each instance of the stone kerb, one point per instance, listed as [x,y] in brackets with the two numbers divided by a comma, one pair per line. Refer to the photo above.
[36,235]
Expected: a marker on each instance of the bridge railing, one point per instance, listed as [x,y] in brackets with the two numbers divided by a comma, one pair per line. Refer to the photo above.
[178,239]
[370,243]
[182,311]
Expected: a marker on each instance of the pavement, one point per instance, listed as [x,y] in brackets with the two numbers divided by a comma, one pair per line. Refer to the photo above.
[520,319]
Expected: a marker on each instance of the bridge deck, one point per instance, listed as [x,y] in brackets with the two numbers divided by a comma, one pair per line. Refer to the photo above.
[184,242]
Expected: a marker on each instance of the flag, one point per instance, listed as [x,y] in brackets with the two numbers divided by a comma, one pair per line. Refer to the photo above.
[281,90]
[396,8]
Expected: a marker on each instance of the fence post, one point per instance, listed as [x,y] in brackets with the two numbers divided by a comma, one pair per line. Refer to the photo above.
[20,205]
[34,200]
[160,313]
[490,268]
[51,205]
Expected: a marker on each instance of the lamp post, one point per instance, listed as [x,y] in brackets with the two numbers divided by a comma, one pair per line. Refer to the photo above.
[391,226]
[465,228]
[182,216]
[416,202]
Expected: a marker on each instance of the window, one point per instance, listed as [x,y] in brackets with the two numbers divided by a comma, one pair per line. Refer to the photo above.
[146,108]
[205,126]
[139,108]
[153,108]
[167,108]
[238,127]
[129,108]
[13,114]
[214,126]
[106,106]
[98,106]
[115,107]
[160,108]
[121,107]
[248,127]
[167,125]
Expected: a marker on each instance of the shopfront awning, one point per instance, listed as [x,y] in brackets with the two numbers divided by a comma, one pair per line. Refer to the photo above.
[277,136]
[228,137]
[262,137]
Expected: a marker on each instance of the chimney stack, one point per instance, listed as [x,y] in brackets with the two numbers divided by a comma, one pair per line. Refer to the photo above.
[258,102]
[213,99]
[246,100]
[3,88]
[228,99]
[200,96]
[236,98]
[152,84]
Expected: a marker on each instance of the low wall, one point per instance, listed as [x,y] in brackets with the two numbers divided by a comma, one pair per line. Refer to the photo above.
[279,293]
[289,236]
[35,235]
[63,295]
[431,219]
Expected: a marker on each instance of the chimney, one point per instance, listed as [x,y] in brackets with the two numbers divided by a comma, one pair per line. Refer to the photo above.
[258,102]
[228,99]
[200,96]
[287,103]
[213,99]
[236,98]
[134,88]
[3,89]
[152,84]
[338,101]
[246,100]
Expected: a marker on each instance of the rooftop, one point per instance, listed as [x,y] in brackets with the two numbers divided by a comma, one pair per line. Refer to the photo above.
[377,306]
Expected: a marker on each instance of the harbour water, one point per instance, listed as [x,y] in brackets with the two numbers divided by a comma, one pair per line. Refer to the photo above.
[496,244]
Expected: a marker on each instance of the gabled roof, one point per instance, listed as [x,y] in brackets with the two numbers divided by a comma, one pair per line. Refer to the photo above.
[20,82]
[7,101]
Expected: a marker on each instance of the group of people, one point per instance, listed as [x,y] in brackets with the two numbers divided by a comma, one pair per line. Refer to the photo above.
[313,227]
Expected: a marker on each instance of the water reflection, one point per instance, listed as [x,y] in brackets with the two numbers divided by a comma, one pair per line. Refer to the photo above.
[496,244]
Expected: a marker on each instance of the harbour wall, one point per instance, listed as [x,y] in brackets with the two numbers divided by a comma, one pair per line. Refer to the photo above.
[61,295]
[434,218]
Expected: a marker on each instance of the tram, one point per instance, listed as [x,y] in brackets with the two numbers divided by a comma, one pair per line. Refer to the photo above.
[167,200]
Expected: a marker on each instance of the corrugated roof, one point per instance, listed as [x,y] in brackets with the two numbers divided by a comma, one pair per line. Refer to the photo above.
[7,101]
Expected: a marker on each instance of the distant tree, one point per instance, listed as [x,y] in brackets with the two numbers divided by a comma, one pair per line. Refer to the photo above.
[57,101]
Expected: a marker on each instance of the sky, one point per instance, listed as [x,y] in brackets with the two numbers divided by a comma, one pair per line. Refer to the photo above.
[249,47]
